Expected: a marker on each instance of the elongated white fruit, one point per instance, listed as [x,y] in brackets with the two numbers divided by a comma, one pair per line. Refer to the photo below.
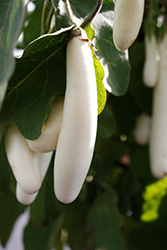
[47,141]
[158,139]
[142,129]
[128,16]
[151,64]
[23,161]
[44,161]
[79,124]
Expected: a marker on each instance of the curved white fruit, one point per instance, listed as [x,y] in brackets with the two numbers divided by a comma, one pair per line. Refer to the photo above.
[142,129]
[79,124]
[47,141]
[151,64]
[158,139]
[128,15]
[44,161]
[23,161]
[23,197]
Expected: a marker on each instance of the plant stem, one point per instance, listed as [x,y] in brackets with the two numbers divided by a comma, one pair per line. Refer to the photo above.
[49,18]
[94,12]
[44,16]
[70,13]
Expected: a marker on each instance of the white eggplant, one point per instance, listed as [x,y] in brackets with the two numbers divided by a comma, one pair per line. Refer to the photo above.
[151,64]
[158,138]
[128,16]
[44,161]
[23,161]
[142,129]
[47,141]
[77,136]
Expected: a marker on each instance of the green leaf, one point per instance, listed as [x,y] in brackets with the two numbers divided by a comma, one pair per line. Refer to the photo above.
[11,18]
[39,75]
[107,222]
[101,92]
[115,63]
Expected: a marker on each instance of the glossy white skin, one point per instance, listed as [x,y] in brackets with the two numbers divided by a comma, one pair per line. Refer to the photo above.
[79,124]
[151,64]
[23,161]
[47,141]
[142,129]
[158,138]
[128,16]
[44,161]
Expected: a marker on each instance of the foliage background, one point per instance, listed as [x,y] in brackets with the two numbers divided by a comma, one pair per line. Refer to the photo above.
[121,205]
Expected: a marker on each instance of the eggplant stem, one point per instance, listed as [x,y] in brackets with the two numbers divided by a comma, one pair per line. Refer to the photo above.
[70,13]
[93,13]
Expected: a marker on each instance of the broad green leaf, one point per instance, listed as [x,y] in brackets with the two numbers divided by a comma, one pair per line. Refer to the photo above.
[107,222]
[101,92]
[11,18]
[115,63]
[39,75]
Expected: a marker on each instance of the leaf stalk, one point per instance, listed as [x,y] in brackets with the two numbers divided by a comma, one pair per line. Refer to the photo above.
[93,13]
[70,13]
[44,16]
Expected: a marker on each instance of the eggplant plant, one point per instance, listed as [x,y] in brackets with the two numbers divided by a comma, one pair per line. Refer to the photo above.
[83,135]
